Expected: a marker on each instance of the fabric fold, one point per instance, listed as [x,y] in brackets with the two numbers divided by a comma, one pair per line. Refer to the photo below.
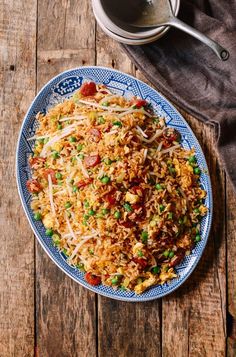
[189,74]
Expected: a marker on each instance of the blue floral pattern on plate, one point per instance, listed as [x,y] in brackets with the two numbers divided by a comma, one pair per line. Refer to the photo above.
[63,86]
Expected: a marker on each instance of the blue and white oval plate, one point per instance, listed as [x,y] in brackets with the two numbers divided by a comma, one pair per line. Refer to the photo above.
[55,91]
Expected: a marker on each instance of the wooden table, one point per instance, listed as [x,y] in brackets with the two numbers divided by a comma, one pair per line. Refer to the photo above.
[42,311]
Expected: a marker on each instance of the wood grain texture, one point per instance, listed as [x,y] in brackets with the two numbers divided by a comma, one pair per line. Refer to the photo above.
[125,329]
[66,37]
[231,266]
[194,317]
[17,73]
[66,312]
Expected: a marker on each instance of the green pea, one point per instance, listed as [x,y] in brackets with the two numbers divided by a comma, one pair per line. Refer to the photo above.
[74,188]
[105,104]
[80,266]
[161,208]
[114,280]
[156,270]
[81,156]
[196,210]
[59,126]
[86,204]
[86,217]
[166,253]
[65,252]
[144,236]
[192,159]
[197,238]
[105,179]
[105,211]
[55,155]
[171,254]
[140,253]
[67,205]
[58,175]
[37,216]
[128,207]
[79,147]
[107,161]
[49,232]
[171,169]
[197,171]
[117,214]
[72,139]
[158,186]
[56,238]
[56,243]
[91,212]
[101,120]
[170,215]
[73,159]
[122,288]
[118,123]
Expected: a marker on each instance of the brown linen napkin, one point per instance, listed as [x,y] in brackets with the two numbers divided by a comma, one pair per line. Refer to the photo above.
[191,75]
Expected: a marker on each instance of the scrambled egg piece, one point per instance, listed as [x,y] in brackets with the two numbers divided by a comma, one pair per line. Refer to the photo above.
[48,220]
[203,210]
[145,284]
[129,197]
[57,146]
[164,276]
[138,246]
[126,149]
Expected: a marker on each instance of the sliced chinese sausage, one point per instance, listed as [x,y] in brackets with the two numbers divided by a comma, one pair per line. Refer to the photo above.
[88,89]
[33,186]
[92,161]
[52,173]
[92,279]
[95,135]
[139,103]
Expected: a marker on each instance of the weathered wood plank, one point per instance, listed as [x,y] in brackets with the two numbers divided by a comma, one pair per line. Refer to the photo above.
[18,80]
[125,329]
[194,317]
[231,253]
[66,36]
[66,312]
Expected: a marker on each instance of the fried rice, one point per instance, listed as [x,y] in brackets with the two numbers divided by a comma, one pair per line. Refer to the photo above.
[114,188]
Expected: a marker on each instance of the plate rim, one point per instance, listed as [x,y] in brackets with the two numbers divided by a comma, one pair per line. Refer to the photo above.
[40,239]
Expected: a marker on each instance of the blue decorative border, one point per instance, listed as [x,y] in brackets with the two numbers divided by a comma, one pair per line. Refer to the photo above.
[62,86]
